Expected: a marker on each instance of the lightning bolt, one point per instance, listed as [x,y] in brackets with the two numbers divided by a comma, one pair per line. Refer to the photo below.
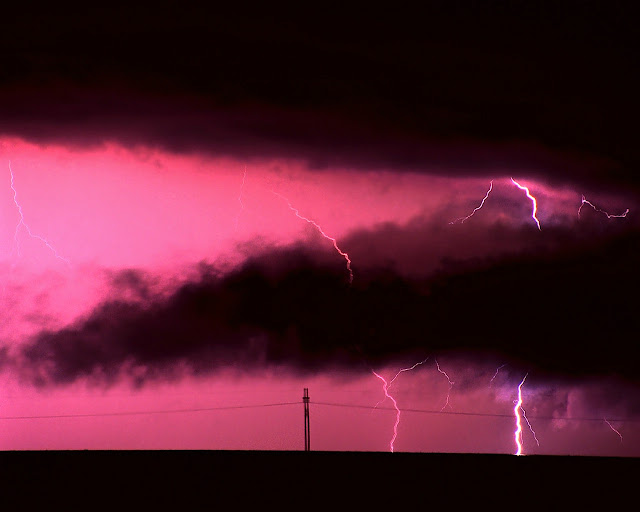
[398,374]
[22,223]
[385,389]
[524,415]
[518,407]
[533,201]
[516,412]
[496,374]
[320,230]
[450,386]
[463,219]
[609,216]
[611,427]
[408,369]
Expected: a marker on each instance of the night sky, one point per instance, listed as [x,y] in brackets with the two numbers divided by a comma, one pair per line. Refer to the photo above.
[206,209]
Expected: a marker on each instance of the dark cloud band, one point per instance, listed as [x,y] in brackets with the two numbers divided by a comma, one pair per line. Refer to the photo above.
[445,89]
[566,314]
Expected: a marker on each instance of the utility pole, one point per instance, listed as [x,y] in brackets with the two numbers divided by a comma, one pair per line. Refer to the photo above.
[307,435]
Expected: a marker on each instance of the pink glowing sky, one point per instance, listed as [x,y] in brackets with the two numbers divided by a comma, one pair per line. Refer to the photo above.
[159,290]
[112,208]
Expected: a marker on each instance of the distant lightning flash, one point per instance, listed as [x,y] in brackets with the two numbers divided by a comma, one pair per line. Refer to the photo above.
[317,226]
[462,219]
[611,427]
[524,415]
[516,412]
[496,374]
[486,196]
[533,201]
[609,215]
[450,386]
[385,389]
[408,369]
[398,374]
[22,223]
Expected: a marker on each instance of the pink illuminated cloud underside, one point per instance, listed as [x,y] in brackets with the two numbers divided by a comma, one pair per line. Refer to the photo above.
[244,177]
[115,209]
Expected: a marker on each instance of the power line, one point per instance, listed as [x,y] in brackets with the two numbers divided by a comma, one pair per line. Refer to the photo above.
[329,404]
[132,413]
[465,413]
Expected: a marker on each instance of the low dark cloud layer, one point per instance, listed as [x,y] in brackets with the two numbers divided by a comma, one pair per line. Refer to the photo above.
[568,311]
[450,88]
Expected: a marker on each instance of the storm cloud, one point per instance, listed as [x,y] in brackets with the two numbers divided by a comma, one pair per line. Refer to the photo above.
[566,311]
[451,90]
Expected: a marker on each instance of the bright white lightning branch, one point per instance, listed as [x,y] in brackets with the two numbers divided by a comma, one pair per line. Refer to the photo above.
[533,201]
[516,412]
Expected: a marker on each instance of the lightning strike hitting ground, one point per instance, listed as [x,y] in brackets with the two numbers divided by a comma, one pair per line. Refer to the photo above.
[22,223]
[611,427]
[516,412]
[385,389]
[317,226]
[533,201]
[463,219]
[450,386]
[609,215]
